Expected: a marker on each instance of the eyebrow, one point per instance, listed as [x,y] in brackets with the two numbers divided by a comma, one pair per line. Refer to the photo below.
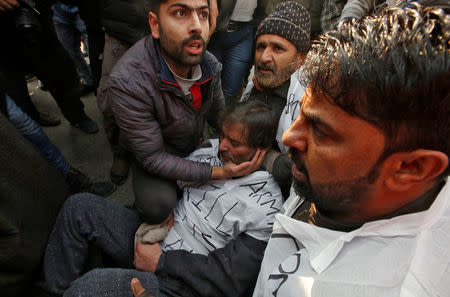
[272,43]
[189,7]
[317,120]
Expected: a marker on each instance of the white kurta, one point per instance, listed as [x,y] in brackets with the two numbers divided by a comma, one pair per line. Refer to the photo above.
[291,109]
[210,215]
[408,255]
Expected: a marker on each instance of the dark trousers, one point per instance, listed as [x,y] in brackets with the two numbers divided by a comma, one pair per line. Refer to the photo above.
[87,220]
[41,54]
[155,197]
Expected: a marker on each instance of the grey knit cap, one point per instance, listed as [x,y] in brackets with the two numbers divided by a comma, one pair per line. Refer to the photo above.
[289,20]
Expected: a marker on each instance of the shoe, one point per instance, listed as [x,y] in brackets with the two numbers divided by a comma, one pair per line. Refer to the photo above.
[30,77]
[79,182]
[87,126]
[119,170]
[47,120]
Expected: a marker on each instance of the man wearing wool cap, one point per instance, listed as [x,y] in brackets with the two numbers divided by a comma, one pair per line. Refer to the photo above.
[282,41]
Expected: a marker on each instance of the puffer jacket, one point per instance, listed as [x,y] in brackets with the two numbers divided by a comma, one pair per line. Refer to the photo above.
[157,121]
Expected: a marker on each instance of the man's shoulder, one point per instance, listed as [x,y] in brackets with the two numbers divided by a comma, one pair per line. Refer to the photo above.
[140,58]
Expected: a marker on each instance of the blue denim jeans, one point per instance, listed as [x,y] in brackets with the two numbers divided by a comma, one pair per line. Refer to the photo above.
[234,51]
[87,220]
[33,132]
[69,28]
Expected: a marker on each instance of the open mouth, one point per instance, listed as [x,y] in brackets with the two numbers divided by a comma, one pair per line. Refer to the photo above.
[195,47]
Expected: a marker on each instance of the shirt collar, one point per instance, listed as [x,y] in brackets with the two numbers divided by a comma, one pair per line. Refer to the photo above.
[167,76]
[324,245]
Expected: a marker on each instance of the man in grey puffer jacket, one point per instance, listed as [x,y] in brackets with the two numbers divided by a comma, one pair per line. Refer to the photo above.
[161,92]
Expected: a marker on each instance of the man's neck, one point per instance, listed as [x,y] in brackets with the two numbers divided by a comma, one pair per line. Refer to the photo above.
[180,70]
[309,213]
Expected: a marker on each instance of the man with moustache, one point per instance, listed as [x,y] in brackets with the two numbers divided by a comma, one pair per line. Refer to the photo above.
[371,147]
[218,232]
[282,41]
[161,92]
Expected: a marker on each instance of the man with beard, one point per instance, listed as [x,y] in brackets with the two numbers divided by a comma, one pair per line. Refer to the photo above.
[218,232]
[282,41]
[161,91]
[371,147]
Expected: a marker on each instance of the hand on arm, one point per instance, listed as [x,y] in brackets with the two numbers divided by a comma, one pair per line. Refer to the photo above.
[146,256]
[245,168]
[6,5]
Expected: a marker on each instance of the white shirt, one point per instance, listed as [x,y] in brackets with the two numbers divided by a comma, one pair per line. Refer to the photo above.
[243,10]
[211,214]
[408,255]
[291,109]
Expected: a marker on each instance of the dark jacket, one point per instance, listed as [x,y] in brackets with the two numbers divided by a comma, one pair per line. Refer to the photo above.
[31,193]
[126,20]
[157,121]
[230,271]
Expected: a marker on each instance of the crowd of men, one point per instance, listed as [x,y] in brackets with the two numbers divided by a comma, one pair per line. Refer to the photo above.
[328,177]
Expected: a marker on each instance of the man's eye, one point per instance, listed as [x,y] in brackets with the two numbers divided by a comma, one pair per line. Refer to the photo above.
[260,46]
[279,49]
[316,131]
[203,15]
[180,13]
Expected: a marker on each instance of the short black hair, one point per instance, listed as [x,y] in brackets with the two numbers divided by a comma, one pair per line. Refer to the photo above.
[391,70]
[154,5]
[257,119]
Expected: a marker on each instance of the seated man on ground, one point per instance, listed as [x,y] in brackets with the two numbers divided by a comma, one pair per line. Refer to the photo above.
[217,236]
[371,151]
[162,91]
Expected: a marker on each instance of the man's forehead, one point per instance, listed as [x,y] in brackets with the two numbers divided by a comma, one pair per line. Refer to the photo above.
[187,3]
[235,131]
[273,39]
[320,107]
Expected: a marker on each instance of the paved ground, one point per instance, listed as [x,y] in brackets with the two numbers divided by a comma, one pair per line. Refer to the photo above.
[90,153]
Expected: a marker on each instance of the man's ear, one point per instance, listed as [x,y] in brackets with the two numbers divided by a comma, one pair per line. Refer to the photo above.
[154,24]
[410,169]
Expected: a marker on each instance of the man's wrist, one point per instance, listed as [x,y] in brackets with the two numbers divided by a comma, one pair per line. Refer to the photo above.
[217,173]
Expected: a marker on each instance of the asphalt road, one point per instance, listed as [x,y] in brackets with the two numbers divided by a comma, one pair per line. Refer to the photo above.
[89,153]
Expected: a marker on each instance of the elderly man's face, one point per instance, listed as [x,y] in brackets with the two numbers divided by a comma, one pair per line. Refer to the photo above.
[183,29]
[276,58]
[233,144]
[335,155]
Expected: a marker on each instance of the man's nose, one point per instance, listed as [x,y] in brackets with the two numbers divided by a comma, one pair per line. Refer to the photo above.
[267,56]
[222,145]
[195,27]
[296,136]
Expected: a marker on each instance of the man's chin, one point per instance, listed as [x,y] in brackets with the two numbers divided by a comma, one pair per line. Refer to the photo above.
[304,190]
[265,82]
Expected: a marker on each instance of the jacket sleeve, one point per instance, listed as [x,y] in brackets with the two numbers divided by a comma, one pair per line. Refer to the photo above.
[356,9]
[228,271]
[134,114]
[218,98]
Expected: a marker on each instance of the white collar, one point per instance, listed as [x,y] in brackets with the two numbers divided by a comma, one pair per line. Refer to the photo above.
[324,245]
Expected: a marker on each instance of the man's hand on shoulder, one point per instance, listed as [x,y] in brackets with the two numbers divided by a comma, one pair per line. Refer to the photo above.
[245,168]
[6,5]
[146,256]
